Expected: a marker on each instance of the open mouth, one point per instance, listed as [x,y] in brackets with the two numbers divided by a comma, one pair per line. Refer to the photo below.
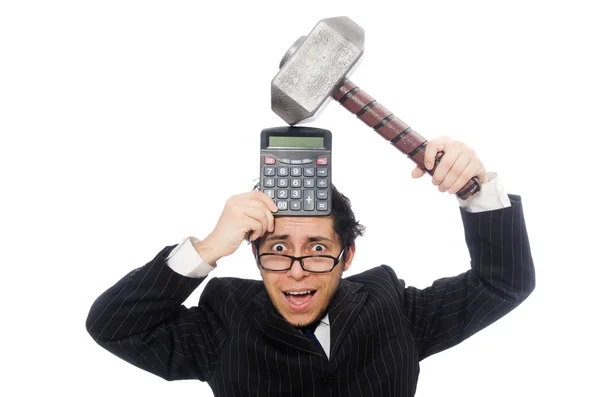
[299,300]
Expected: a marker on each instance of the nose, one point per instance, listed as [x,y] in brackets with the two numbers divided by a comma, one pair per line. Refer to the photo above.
[296,272]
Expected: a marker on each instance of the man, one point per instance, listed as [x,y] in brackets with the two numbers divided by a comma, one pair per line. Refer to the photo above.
[304,330]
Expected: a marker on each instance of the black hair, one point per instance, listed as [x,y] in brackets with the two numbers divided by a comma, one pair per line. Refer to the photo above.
[345,224]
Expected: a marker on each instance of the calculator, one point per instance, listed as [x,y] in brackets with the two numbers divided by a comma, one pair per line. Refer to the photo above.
[295,169]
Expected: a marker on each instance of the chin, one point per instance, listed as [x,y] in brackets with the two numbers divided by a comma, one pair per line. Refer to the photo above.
[297,319]
[304,319]
[301,321]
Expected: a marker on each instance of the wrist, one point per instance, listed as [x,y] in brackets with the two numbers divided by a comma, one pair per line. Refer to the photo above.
[207,252]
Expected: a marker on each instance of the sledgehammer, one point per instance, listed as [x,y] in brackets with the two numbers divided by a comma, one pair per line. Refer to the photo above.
[315,68]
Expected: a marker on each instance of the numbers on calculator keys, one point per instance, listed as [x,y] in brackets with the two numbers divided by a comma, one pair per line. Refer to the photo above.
[297,188]
[295,171]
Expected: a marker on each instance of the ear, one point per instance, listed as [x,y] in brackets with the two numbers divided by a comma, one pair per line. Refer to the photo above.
[349,256]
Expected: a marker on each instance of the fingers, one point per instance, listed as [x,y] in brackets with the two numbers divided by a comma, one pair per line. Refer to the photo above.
[457,166]
[270,220]
[252,211]
[268,201]
[256,227]
[470,170]
[255,221]
[451,153]
[267,213]
[417,172]
[432,149]
[456,173]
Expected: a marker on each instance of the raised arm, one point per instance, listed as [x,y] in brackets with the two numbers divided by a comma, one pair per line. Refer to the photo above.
[142,320]
[501,274]
[501,277]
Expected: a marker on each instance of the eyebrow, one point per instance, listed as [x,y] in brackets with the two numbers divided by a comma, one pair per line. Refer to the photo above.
[287,236]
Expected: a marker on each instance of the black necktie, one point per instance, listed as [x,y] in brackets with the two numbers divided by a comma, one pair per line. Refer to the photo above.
[309,332]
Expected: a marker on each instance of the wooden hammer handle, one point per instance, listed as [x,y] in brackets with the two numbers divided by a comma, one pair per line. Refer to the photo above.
[394,130]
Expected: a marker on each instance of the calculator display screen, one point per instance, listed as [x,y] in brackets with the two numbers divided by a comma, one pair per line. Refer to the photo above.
[297,141]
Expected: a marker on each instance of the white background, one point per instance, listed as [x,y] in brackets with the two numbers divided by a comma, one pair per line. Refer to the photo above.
[126,125]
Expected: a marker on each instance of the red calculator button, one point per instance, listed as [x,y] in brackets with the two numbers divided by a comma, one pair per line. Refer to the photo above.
[269,160]
[322,161]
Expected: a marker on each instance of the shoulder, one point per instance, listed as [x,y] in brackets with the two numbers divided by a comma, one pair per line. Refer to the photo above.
[379,286]
[373,273]
[233,285]
[377,278]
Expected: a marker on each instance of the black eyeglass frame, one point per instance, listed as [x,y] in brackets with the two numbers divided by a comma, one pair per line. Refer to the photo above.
[299,259]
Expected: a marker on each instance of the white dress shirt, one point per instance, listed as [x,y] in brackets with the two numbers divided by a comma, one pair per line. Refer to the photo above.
[185,260]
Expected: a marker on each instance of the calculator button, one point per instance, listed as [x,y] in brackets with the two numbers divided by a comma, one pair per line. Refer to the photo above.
[269,160]
[270,193]
[270,171]
[269,182]
[322,161]
[322,183]
[296,205]
[296,182]
[296,162]
[282,205]
[282,194]
[321,171]
[296,194]
[309,183]
[306,161]
[322,206]
[282,182]
[285,161]
[282,171]
[322,194]
[309,200]
[309,172]
[296,171]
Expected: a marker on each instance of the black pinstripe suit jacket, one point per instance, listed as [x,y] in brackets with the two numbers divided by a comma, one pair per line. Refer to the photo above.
[380,329]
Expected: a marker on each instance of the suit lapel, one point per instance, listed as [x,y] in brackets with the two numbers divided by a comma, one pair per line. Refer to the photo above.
[344,308]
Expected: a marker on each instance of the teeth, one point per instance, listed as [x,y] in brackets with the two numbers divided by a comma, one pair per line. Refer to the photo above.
[298,293]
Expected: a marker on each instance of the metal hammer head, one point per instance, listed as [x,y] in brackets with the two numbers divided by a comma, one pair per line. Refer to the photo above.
[314,67]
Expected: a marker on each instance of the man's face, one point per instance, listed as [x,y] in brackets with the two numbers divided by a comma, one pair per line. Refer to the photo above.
[301,236]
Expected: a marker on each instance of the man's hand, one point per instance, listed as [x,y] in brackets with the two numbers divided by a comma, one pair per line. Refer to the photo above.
[458,165]
[243,213]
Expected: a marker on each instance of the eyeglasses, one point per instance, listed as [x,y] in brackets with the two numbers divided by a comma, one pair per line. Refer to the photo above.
[311,263]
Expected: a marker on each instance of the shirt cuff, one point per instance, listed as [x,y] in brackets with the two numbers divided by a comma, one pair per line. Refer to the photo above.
[492,196]
[185,260]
